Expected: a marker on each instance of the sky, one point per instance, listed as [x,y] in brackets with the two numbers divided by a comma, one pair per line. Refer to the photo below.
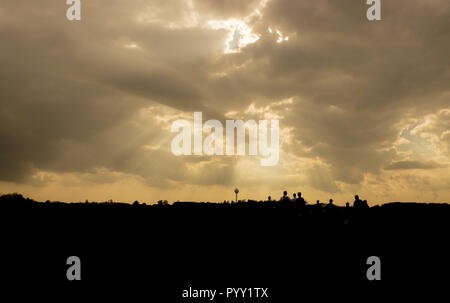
[87,106]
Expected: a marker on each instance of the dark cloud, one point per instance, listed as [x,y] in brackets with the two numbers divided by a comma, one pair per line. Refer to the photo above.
[227,8]
[401,165]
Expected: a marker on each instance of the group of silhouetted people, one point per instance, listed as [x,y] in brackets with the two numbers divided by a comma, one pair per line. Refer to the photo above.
[360,203]
[299,203]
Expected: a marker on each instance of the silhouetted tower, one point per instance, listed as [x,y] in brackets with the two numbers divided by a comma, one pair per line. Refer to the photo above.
[236,191]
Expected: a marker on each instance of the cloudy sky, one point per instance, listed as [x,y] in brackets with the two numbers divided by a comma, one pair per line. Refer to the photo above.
[87,106]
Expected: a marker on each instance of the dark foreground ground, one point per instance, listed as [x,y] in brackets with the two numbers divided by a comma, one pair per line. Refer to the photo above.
[154,253]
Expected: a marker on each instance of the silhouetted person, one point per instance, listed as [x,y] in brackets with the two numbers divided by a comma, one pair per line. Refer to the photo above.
[300,203]
[317,208]
[285,197]
[364,204]
[358,202]
[347,212]
[269,198]
[295,196]
[285,201]
[299,194]
[330,204]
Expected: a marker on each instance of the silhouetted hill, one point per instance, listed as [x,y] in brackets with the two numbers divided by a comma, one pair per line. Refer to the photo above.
[166,247]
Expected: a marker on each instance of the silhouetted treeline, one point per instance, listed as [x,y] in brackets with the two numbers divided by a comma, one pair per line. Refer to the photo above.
[389,215]
[18,200]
